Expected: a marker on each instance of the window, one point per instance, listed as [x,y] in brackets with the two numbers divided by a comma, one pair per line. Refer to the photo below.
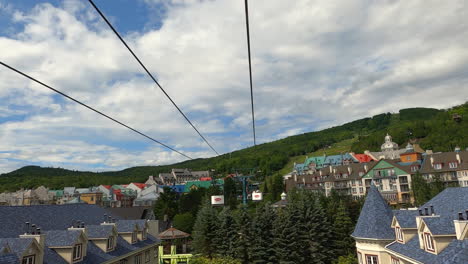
[437,166]
[110,243]
[147,256]
[77,252]
[414,168]
[395,261]
[29,259]
[453,164]
[408,157]
[399,234]
[138,259]
[359,257]
[372,259]
[134,237]
[429,242]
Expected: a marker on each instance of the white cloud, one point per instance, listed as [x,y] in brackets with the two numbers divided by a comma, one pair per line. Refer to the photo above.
[315,64]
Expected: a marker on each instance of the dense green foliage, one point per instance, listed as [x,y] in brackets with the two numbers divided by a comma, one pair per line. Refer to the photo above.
[203,260]
[184,222]
[434,129]
[299,233]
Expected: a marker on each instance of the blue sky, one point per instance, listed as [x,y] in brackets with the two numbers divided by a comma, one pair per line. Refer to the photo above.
[315,64]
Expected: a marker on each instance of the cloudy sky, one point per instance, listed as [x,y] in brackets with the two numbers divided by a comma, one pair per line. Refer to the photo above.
[315,64]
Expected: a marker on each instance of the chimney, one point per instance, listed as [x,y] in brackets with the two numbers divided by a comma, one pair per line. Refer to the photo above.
[420,212]
[26,227]
[466,212]
[432,210]
[458,158]
[105,218]
[460,216]
[426,211]
[365,168]
[39,237]
[432,161]
[331,169]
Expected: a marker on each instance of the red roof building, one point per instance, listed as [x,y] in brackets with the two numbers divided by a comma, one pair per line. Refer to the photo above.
[363,158]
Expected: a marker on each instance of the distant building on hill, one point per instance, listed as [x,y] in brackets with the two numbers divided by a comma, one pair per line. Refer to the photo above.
[181,176]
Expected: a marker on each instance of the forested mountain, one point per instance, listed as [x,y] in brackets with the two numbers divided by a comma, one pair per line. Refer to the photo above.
[432,128]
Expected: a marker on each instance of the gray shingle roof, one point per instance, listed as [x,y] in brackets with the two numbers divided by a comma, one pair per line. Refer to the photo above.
[440,225]
[60,217]
[17,245]
[447,204]
[99,231]
[48,217]
[455,253]
[61,238]
[9,259]
[125,226]
[406,218]
[375,219]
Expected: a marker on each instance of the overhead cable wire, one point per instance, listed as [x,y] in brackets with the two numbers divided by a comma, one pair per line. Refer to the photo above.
[250,70]
[92,109]
[149,74]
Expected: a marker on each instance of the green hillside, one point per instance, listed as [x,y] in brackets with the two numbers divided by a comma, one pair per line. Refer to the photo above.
[434,129]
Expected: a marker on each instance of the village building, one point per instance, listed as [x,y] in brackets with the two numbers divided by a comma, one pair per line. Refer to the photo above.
[82,234]
[450,167]
[434,233]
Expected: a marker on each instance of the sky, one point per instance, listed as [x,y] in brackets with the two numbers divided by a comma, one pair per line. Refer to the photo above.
[316,64]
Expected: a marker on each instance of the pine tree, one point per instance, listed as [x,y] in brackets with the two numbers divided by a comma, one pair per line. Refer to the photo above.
[242,244]
[342,229]
[291,235]
[226,234]
[261,250]
[204,230]
[320,234]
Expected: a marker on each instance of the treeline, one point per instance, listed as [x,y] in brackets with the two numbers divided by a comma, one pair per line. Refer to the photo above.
[310,229]
[434,129]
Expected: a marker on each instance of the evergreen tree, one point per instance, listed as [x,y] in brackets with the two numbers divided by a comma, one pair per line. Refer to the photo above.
[242,244]
[342,229]
[421,189]
[319,232]
[291,235]
[262,236]
[205,231]
[226,234]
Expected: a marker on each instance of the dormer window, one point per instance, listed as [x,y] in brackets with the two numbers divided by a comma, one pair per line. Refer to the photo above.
[399,234]
[29,259]
[134,237]
[437,166]
[414,168]
[361,173]
[77,252]
[453,164]
[110,243]
[429,242]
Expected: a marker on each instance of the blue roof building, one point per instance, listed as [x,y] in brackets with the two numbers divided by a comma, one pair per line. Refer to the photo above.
[72,233]
[435,233]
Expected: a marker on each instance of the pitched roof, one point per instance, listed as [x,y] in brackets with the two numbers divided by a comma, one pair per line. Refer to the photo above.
[99,231]
[139,185]
[130,213]
[17,245]
[12,218]
[172,233]
[9,259]
[406,218]
[440,225]
[445,158]
[126,226]
[375,219]
[455,253]
[61,238]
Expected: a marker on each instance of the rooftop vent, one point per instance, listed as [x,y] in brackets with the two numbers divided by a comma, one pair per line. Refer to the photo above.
[460,216]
